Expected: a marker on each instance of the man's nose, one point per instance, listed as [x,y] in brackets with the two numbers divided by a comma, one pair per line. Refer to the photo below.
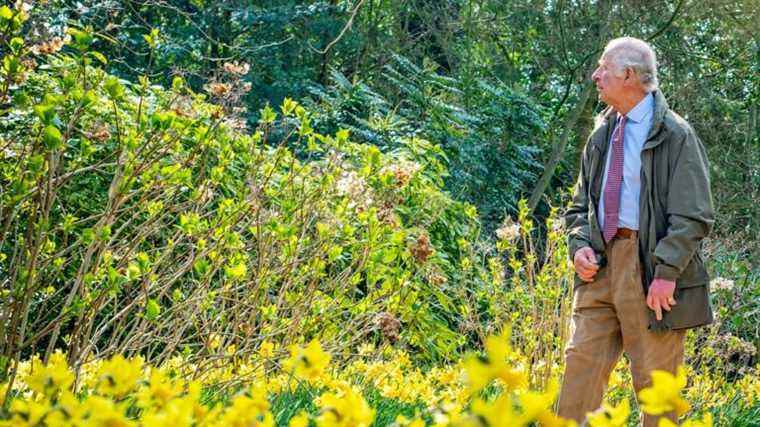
[595,75]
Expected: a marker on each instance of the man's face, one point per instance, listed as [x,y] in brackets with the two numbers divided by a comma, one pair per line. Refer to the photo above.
[609,85]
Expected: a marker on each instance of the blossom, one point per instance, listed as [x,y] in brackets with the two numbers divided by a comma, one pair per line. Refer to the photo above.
[51,46]
[402,172]
[482,370]
[219,89]
[706,421]
[105,412]
[344,408]
[266,349]
[664,394]
[299,420]
[239,68]
[119,376]
[508,231]
[308,363]
[721,283]
[610,416]
[49,379]
[250,409]
[353,185]
[159,391]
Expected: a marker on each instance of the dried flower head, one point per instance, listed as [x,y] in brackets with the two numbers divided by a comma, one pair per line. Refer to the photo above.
[238,68]
[508,231]
[421,250]
[721,283]
[388,325]
[218,89]
[51,46]
[402,172]
[99,133]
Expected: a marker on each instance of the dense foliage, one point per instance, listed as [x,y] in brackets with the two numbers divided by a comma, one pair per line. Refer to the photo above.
[197,186]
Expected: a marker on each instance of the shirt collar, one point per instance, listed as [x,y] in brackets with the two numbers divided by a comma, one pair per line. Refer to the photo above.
[642,109]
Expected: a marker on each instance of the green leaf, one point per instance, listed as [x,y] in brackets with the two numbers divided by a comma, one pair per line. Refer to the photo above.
[99,56]
[342,135]
[237,271]
[133,271]
[267,115]
[334,252]
[113,88]
[201,266]
[45,112]
[82,39]
[152,309]
[16,44]
[152,38]
[178,83]
[52,137]
[288,106]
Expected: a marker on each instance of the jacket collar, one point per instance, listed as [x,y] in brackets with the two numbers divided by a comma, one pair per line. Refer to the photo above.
[655,137]
[661,108]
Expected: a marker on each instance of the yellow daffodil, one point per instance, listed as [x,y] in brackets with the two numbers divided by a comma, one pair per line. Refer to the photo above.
[706,421]
[610,416]
[249,410]
[536,407]
[159,390]
[299,420]
[308,363]
[26,413]
[119,376]
[48,380]
[664,394]
[266,350]
[104,412]
[344,408]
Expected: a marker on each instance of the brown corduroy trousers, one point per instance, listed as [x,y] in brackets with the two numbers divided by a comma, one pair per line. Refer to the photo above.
[610,316]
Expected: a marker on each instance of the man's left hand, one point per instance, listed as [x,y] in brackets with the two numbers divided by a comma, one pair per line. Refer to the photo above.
[660,296]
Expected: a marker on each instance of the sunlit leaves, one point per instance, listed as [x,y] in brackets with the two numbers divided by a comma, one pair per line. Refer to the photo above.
[268,115]
[152,309]
[152,38]
[114,88]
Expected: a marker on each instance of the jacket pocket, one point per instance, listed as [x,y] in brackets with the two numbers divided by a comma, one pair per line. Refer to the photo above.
[694,274]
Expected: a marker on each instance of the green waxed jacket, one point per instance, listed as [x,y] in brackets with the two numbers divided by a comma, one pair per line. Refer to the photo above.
[675,211]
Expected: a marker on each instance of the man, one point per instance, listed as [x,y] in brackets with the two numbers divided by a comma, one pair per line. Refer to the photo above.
[640,209]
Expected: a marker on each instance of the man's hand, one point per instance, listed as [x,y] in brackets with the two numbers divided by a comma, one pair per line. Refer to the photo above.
[585,264]
[661,296]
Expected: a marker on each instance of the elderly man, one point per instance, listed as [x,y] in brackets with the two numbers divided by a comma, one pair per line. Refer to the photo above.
[640,210]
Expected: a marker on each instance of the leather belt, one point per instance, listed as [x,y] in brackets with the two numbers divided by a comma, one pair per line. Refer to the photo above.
[626,233]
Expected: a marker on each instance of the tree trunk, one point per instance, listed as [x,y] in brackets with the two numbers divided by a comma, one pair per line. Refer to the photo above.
[558,150]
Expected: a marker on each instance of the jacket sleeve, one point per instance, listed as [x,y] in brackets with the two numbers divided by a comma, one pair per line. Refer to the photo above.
[576,216]
[689,209]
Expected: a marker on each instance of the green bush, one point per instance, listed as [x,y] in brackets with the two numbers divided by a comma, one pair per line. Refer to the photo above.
[137,219]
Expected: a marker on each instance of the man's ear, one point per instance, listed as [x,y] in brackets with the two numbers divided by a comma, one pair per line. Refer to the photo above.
[629,76]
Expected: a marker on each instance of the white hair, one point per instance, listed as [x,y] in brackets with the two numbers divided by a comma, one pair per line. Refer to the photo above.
[638,55]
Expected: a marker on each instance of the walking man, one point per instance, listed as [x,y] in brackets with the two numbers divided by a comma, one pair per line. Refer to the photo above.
[640,210]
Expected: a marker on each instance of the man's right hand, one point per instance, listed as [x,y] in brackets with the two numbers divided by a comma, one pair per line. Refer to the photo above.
[585,263]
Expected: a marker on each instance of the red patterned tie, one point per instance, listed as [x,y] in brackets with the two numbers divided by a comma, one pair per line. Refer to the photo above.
[612,188]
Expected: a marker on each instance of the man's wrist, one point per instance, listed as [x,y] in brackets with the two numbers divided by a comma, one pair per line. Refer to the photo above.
[666,272]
